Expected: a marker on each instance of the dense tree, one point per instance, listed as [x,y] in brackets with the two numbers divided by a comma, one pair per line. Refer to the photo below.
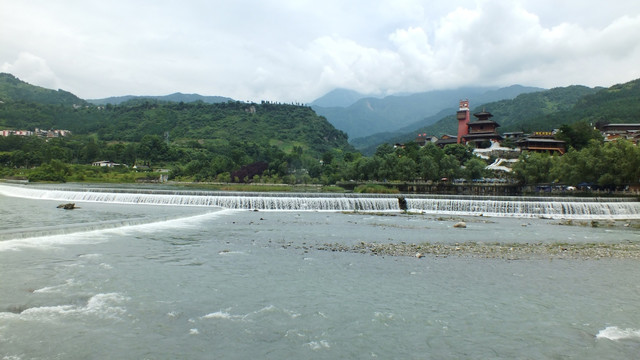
[534,168]
[578,135]
[475,168]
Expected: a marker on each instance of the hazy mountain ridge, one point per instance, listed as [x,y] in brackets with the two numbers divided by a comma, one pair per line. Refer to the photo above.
[175,97]
[338,98]
[369,115]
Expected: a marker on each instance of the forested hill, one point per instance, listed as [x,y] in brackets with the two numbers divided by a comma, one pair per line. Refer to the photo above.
[617,104]
[284,126]
[14,89]
[541,111]
[526,112]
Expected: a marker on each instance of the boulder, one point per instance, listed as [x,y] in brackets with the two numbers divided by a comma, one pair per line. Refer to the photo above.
[69,206]
[460,224]
[402,203]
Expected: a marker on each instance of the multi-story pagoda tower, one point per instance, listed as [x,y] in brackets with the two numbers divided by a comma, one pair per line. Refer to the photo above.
[463,119]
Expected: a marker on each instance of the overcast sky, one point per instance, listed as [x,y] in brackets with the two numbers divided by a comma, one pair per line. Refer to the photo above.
[296,51]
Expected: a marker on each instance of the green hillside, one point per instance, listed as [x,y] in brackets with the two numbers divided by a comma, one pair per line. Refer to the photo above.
[285,125]
[198,140]
[265,124]
[618,104]
[14,89]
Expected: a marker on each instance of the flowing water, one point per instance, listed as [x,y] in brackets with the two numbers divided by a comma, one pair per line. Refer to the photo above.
[148,274]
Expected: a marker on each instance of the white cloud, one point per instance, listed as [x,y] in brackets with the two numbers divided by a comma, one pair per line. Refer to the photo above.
[32,69]
[297,50]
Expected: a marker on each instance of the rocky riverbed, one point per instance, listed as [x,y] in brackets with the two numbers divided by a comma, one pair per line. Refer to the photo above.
[509,251]
[514,251]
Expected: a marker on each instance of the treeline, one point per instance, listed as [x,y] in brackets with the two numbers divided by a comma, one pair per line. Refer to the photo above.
[234,161]
[611,165]
[189,161]
[608,165]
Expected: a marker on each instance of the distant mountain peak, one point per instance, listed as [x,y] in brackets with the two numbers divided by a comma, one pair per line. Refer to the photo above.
[339,98]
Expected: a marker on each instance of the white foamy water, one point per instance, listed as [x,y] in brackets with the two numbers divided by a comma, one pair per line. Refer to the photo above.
[569,208]
[84,235]
[616,333]
[99,305]
[200,282]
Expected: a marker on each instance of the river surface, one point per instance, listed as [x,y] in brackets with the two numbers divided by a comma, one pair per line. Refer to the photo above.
[139,281]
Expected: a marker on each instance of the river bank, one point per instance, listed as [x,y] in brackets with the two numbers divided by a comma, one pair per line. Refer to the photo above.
[499,250]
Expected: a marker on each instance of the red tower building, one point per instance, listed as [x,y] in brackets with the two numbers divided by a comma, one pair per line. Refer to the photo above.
[463,119]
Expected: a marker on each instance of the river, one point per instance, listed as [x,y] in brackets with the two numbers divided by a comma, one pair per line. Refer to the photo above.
[172,279]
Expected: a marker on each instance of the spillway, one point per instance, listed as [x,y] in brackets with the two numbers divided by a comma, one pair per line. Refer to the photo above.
[551,207]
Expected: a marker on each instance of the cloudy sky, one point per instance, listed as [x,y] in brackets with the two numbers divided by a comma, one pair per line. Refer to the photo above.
[296,51]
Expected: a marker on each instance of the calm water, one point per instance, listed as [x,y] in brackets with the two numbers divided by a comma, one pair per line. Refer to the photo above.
[175,282]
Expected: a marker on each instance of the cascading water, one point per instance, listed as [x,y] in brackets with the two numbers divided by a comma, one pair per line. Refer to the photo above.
[552,207]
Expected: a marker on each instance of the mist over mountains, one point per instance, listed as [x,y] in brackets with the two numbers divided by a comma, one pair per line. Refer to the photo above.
[369,115]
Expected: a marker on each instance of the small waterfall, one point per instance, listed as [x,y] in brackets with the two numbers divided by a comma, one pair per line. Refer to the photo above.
[552,207]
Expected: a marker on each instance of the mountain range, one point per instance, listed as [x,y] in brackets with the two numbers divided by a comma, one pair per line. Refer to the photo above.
[370,121]
[175,97]
[368,115]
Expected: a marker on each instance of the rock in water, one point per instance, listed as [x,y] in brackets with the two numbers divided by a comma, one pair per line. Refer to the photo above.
[69,206]
[402,203]
[460,224]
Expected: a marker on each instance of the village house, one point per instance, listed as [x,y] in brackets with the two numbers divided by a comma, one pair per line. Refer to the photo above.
[38,132]
[104,163]
[17,133]
[613,132]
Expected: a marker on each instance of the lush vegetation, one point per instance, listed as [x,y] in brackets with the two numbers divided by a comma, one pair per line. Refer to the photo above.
[197,141]
[278,143]
[61,159]
[612,165]
[288,158]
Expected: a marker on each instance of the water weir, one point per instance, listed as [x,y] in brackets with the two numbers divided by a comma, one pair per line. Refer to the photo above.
[511,206]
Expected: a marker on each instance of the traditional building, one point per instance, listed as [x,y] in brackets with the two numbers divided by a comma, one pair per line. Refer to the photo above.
[423,139]
[481,132]
[542,141]
[446,140]
[612,132]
